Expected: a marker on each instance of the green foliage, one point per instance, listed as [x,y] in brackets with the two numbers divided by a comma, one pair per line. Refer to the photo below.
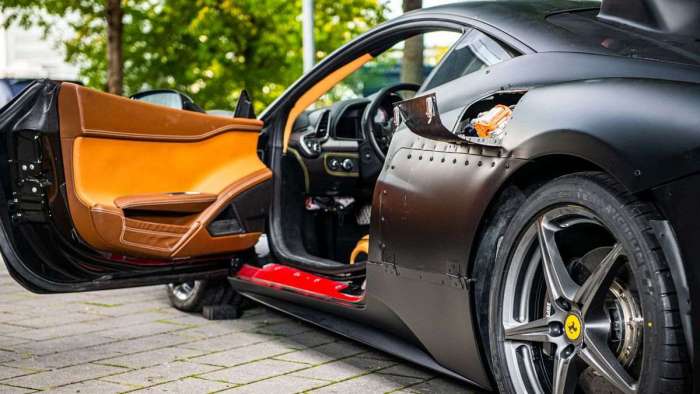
[209,49]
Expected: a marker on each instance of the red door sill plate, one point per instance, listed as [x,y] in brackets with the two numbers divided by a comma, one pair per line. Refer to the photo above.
[298,281]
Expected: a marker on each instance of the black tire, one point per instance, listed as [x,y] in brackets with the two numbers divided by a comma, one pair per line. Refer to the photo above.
[202,293]
[662,363]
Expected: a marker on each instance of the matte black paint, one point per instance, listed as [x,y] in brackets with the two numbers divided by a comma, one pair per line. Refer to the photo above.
[583,102]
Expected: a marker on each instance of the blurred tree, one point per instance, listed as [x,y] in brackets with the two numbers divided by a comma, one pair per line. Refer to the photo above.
[209,49]
[412,64]
[115,67]
[43,14]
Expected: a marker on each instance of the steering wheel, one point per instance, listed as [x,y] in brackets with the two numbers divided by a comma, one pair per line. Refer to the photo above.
[379,135]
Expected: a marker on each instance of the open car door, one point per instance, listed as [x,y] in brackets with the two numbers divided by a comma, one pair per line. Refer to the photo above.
[100,191]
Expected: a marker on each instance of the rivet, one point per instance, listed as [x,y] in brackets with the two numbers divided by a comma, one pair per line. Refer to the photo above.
[493,164]
[454,161]
[420,157]
[383,191]
[409,156]
[442,160]
[392,167]
[479,163]
[431,158]
[466,162]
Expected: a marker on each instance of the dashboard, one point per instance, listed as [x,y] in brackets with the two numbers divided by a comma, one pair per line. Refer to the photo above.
[327,142]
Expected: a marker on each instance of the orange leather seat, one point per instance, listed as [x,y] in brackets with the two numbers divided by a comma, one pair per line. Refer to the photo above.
[361,247]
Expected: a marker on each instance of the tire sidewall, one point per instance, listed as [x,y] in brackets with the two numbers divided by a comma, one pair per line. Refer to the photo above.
[583,190]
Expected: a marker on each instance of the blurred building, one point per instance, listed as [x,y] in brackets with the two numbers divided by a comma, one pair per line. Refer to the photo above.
[25,53]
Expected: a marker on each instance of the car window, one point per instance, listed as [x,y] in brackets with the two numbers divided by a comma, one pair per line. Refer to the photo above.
[471,53]
[410,60]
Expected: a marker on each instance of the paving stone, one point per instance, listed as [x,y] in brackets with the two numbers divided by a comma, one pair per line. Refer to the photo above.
[8,355]
[234,340]
[188,385]
[285,329]
[39,334]
[372,383]
[325,353]
[309,339]
[61,344]
[151,358]
[214,330]
[138,345]
[10,372]
[141,330]
[63,359]
[440,386]
[63,376]
[56,320]
[124,340]
[344,369]
[245,354]
[408,370]
[160,373]
[254,371]
[5,389]
[92,386]
[279,385]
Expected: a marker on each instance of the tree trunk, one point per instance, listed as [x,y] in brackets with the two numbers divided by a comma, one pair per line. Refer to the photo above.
[412,63]
[115,61]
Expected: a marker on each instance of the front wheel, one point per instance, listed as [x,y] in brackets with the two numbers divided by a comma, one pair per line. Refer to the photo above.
[583,300]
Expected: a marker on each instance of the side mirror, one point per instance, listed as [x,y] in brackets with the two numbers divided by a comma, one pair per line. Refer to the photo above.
[244,106]
[168,98]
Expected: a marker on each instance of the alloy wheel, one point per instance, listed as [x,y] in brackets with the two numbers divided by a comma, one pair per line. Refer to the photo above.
[571,314]
[184,290]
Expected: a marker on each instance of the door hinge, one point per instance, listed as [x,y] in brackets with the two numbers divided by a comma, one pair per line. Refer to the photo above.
[29,200]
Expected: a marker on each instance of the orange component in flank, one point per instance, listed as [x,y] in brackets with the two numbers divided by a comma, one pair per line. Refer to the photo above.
[491,120]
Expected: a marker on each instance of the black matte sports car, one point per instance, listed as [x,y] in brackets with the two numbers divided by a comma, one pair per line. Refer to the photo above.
[520,212]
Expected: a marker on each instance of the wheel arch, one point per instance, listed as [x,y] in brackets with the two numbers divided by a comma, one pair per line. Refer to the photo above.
[503,205]
[513,192]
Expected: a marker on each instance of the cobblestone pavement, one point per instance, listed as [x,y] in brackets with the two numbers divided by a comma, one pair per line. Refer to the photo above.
[132,340]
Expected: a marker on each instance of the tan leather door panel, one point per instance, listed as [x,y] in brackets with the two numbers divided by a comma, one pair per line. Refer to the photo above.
[122,155]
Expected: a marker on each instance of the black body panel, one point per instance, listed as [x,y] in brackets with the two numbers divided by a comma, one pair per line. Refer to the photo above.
[584,102]
[358,332]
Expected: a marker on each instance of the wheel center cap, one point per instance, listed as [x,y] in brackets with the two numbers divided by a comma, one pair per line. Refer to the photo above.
[573,327]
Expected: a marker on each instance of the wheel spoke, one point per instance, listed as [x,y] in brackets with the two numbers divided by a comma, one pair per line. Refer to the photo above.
[565,373]
[533,331]
[598,356]
[557,278]
[598,281]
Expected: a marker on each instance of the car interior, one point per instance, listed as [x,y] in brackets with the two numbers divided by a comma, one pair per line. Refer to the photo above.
[338,143]
[202,187]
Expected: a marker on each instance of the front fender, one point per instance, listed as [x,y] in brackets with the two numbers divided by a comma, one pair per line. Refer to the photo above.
[643,132]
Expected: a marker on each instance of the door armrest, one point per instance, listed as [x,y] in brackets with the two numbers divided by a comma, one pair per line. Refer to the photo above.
[181,202]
